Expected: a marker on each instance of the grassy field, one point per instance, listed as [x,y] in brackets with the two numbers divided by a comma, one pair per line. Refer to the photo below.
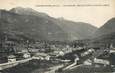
[33,66]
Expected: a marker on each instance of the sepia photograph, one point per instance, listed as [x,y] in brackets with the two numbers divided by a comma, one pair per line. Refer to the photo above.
[57,36]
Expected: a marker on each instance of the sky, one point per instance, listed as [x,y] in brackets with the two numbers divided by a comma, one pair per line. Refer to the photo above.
[95,12]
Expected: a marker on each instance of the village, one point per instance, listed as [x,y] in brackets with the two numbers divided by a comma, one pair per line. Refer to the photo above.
[67,56]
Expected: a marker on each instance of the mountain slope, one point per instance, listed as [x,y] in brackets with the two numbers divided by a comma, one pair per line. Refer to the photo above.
[30,26]
[77,30]
[107,28]
[106,34]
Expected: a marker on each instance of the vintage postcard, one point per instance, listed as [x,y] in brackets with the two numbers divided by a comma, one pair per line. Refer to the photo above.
[57,36]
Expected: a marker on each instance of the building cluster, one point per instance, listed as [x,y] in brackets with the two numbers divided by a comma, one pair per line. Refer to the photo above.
[11,51]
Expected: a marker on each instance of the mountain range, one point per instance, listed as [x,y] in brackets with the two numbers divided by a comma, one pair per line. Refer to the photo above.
[32,24]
